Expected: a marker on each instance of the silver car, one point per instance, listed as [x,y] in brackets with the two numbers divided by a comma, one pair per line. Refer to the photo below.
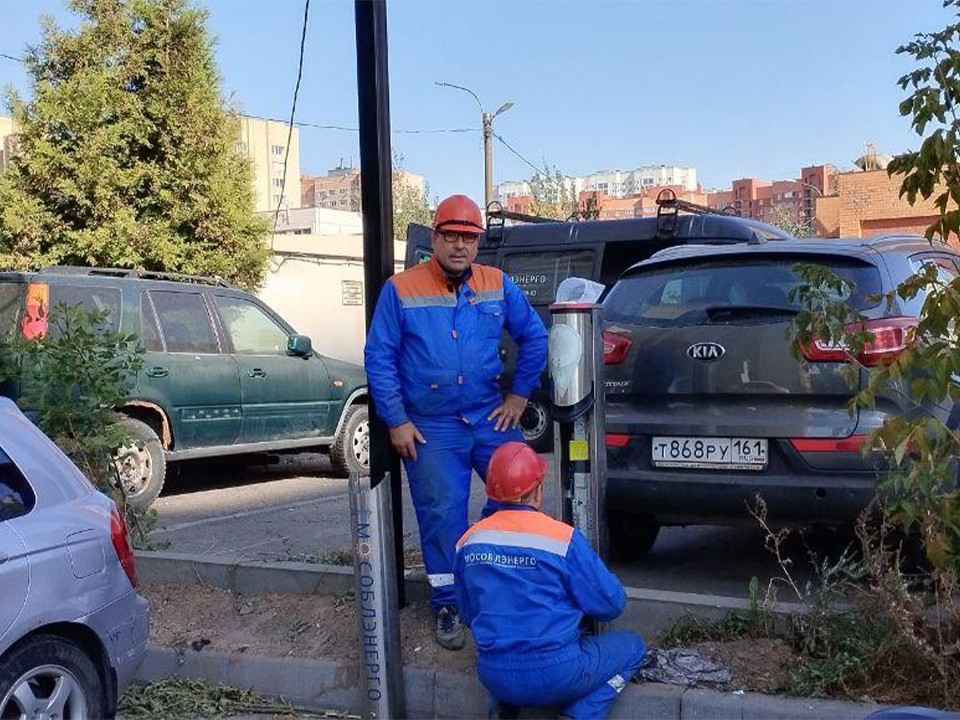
[72,628]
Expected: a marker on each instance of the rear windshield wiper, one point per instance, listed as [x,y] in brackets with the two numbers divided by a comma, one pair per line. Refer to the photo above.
[726,312]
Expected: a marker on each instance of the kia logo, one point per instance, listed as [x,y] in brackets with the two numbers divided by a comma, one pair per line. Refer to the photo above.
[706,351]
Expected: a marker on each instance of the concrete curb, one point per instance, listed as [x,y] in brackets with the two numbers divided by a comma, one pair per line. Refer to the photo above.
[652,611]
[332,685]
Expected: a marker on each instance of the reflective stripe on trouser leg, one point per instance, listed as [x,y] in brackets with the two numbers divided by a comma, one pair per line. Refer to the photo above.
[612,660]
[439,483]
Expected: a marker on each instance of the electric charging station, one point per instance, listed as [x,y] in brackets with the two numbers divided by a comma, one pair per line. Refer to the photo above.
[575,361]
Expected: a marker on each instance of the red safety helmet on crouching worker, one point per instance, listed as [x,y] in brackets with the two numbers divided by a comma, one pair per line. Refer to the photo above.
[458,213]
[515,469]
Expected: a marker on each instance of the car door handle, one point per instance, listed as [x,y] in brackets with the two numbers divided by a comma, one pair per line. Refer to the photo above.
[157,372]
[257,373]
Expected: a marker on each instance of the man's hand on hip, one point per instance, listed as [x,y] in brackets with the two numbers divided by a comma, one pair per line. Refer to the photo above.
[508,415]
[404,439]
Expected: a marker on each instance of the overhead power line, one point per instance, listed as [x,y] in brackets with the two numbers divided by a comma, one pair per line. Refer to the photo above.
[12,57]
[348,128]
[508,146]
[293,111]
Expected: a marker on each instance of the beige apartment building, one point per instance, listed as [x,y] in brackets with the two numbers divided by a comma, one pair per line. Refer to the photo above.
[7,138]
[265,143]
[339,189]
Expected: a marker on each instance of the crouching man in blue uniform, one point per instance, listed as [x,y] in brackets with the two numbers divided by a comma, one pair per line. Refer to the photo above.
[525,582]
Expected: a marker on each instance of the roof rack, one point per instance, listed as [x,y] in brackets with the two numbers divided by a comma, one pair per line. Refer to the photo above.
[669,207]
[496,221]
[134,273]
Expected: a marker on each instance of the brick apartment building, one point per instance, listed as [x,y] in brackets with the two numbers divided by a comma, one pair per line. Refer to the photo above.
[855,203]
[641,204]
[792,201]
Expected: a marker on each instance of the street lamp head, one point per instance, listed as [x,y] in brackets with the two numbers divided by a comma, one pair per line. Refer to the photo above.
[503,108]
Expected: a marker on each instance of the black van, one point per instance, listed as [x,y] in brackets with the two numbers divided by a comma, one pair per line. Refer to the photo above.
[539,255]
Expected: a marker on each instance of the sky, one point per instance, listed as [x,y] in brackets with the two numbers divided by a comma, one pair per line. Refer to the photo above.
[734,88]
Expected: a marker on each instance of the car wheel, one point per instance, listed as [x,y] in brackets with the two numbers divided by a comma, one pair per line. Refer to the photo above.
[631,536]
[536,426]
[351,450]
[141,465]
[51,677]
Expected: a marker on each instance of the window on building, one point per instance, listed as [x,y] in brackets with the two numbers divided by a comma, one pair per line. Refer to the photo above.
[277,149]
[241,147]
[278,182]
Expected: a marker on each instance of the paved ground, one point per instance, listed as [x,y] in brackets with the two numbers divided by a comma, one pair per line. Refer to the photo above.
[297,510]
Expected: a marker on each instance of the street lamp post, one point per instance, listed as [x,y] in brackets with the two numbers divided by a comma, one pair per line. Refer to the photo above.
[808,201]
[487,120]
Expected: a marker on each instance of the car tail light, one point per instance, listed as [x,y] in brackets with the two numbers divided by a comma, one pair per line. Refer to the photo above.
[891,336]
[121,543]
[617,440]
[854,443]
[615,348]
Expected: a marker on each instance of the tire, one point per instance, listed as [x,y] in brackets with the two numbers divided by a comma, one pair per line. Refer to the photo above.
[141,464]
[350,452]
[536,426]
[631,537]
[37,667]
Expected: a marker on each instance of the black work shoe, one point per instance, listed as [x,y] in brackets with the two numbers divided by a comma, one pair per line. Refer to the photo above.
[449,629]
[503,711]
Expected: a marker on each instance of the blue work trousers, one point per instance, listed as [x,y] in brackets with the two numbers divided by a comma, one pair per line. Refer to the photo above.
[585,684]
[440,489]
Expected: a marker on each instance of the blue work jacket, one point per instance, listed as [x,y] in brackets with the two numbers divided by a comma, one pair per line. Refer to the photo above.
[432,350]
[525,581]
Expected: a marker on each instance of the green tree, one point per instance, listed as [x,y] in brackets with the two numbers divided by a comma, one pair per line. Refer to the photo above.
[409,202]
[932,104]
[553,197]
[921,495]
[126,152]
[797,225]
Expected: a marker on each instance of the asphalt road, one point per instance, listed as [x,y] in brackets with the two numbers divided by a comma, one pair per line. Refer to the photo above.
[296,509]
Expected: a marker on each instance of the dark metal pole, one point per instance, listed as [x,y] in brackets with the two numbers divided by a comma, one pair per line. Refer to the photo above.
[376,174]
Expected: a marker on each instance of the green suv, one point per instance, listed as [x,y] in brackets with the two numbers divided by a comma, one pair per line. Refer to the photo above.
[223,374]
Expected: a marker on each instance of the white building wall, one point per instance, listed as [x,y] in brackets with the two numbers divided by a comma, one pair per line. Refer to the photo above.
[315,221]
[616,183]
[316,284]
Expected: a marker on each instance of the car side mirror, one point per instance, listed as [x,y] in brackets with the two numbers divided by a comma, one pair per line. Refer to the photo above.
[299,345]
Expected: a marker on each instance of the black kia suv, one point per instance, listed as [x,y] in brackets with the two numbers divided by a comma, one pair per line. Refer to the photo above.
[706,407]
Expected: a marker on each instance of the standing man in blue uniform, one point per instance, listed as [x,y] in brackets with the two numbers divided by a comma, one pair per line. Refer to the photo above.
[525,581]
[433,363]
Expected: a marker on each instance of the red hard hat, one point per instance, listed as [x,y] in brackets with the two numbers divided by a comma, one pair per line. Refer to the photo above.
[458,213]
[515,469]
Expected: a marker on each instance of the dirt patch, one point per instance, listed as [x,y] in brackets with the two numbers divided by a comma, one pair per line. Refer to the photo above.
[754,664]
[197,618]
